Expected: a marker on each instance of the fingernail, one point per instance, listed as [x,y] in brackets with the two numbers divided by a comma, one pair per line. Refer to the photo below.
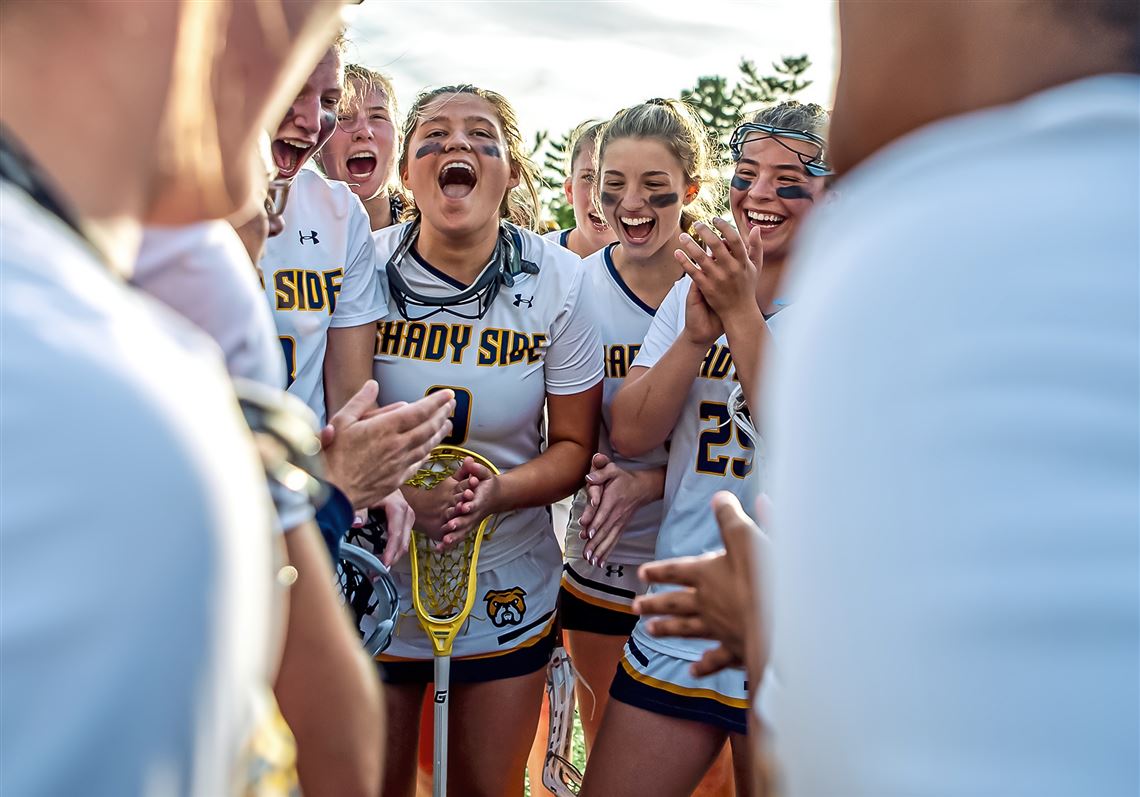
[591,534]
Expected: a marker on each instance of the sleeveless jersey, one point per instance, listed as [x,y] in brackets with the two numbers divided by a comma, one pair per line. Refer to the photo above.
[623,320]
[320,272]
[537,337]
[707,453]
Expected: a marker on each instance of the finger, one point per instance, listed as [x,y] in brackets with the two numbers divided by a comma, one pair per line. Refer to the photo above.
[356,406]
[731,239]
[604,512]
[736,528]
[599,461]
[712,242]
[683,570]
[680,603]
[696,274]
[594,494]
[687,627]
[395,405]
[328,434]
[586,518]
[695,252]
[604,543]
[713,661]
[756,248]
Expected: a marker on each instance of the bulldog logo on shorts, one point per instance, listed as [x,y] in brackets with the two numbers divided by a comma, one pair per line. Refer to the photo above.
[506,606]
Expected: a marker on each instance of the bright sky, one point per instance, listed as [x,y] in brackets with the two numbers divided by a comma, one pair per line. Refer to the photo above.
[562,61]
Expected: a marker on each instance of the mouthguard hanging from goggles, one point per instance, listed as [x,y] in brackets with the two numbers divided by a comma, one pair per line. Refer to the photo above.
[813,164]
[506,264]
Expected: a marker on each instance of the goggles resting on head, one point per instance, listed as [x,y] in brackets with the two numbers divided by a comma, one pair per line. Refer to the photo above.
[813,164]
[506,264]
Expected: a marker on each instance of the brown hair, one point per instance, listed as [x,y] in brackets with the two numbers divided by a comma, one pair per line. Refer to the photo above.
[676,125]
[359,82]
[582,136]
[520,205]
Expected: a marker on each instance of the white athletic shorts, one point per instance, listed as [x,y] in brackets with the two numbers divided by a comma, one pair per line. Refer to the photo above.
[509,632]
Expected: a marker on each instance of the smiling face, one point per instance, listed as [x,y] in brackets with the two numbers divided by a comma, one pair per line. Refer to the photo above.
[362,150]
[588,219]
[314,108]
[765,167]
[643,192]
[456,164]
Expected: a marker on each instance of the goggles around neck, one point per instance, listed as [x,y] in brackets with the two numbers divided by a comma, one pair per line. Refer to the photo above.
[813,164]
[505,265]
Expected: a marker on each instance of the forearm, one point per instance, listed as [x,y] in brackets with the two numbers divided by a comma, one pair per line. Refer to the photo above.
[646,409]
[550,477]
[748,340]
[326,687]
[348,363]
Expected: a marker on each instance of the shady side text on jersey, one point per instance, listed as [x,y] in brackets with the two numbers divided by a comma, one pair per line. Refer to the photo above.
[537,337]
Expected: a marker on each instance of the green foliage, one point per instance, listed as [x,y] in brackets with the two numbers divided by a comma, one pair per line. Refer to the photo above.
[719,103]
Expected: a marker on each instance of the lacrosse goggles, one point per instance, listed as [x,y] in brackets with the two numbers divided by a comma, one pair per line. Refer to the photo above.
[813,162]
[506,264]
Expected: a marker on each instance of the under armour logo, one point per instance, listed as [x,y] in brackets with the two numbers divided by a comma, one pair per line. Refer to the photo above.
[615,570]
[519,300]
[304,237]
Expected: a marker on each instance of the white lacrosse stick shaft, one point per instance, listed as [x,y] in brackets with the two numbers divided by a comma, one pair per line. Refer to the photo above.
[439,753]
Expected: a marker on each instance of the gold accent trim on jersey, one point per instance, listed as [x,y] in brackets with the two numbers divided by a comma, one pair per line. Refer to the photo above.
[717,363]
[502,347]
[619,359]
[306,290]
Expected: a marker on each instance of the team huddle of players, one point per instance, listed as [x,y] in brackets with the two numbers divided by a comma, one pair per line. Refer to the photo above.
[605,355]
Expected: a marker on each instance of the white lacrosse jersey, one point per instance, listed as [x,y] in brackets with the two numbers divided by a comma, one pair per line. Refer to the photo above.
[707,453]
[560,237]
[623,319]
[320,272]
[537,337]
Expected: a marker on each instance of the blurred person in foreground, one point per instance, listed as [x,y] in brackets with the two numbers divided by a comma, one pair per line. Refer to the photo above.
[149,673]
[955,564]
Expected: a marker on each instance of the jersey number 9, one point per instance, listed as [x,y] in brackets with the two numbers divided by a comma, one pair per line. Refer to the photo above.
[461,418]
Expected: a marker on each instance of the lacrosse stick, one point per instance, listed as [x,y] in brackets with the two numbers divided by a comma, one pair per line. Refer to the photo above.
[443,592]
[559,775]
[741,416]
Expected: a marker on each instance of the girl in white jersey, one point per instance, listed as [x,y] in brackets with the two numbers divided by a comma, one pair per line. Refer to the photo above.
[654,163]
[494,312]
[320,275]
[703,340]
[362,150]
[590,231]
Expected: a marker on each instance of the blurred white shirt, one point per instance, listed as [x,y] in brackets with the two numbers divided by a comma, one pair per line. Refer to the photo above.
[955,463]
[136,575]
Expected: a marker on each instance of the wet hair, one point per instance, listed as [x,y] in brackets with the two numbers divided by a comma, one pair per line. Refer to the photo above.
[583,136]
[677,126]
[520,205]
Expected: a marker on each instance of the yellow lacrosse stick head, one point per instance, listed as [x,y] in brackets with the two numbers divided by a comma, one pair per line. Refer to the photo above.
[443,582]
